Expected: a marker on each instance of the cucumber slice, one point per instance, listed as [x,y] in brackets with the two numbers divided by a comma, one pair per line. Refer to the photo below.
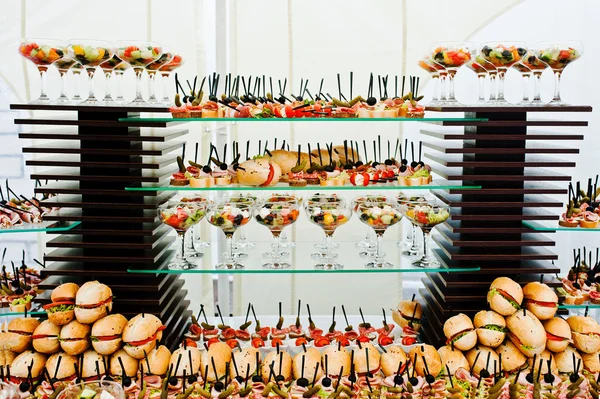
[87,394]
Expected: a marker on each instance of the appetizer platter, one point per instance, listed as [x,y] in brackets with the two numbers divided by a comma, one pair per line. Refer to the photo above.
[581,285]
[16,210]
[18,285]
[583,208]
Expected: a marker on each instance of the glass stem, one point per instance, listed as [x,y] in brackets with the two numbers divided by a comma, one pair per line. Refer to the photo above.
[415,246]
[426,246]
[242,236]
[493,85]
[43,95]
[329,245]
[443,87]
[119,84]
[190,242]
[378,254]
[451,86]
[76,88]
[229,238]
[436,83]
[181,245]
[91,72]
[63,86]
[138,84]
[500,93]
[277,246]
[536,87]
[557,86]
[151,86]
[107,96]
[165,92]
[481,81]
[526,88]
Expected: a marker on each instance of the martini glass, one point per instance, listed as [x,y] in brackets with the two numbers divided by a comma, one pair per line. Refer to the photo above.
[242,240]
[406,202]
[138,54]
[427,215]
[427,65]
[108,67]
[190,250]
[503,56]
[76,70]
[152,69]
[229,216]
[165,72]
[481,73]
[323,245]
[119,71]
[181,216]
[63,65]
[526,74]
[277,215]
[90,54]
[366,243]
[379,216]
[558,55]
[452,55]
[329,216]
[493,74]
[537,67]
[43,53]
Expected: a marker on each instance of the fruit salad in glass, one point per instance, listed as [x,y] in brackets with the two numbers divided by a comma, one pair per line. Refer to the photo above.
[503,55]
[152,69]
[229,216]
[452,55]
[277,215]
[427,215]
[329,213]
[558,55]
[379,216]
[138,55]
[42,53]
[90,54]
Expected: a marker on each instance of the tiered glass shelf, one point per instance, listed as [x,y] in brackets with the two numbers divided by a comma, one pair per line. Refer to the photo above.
[48,227]
[36,310]
[552,225]
[296,120]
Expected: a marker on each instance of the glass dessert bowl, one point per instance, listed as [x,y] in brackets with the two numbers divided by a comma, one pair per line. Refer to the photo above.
[426,215]
[152,70]
[452,56]
[229,216]
[379,216]
[138,55]
[90,54]
[503,55]
[276,214]
[557,55]
[42,53]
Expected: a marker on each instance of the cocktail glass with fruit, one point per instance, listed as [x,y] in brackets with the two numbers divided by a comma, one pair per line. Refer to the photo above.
[93,389]
[503,55]
[366,243]
[321,246]
[452,56]
[138,55]
[558,55]
[190,249]
[427,216]
[277,215]
[63,65]
[526,74]
[108,67]
[379,216]
[181,215]
[537,67]
[43,53]
[229,216]
[165,72]
[427,65]
[242,242]
[152,69]
[90,54]
[329,215]
[406,202]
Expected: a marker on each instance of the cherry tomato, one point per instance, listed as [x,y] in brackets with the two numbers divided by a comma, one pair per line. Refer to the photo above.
[277,111]
[301,341]
[258,343]
[343,341]
[289,111]
[212,341]
[321,341]
[408,341]
[189,342]
[275,342]
[363,338]
[385,340]
[232,343]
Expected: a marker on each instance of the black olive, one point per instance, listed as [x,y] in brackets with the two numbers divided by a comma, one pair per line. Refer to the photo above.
[374,164]
[506,54]
[597,279]
[238,219]
[531,59]
[173,381]
[280,378]
[431,379]
[329,168]
[213,98]
[352,378]
[19,291]
[439,56]
[574,377]
[299,98]
[219,386]
[413,380]
[577,285]
[521,51]
[348,166]
[223,166]
[549,378]
[227,100]
[358,163]
[239,379]
[364,216]
[371,101]
[109,378]
[191,379]
[258,218]
[370,375]
[403,168]
[404,162]
[589,282]
[126,381]
[257,378]
[421,163]
[398,380]
[389,162]
[206,169]
[529,378]
[414,164]
[302,382]
[326,382]
[24,387]
[269,218]
[220,220]
[484,373]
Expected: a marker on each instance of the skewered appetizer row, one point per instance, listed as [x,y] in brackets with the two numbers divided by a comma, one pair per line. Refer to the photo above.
[583,209]
[256,102]
[582,282]
[334,166]
[20,209]
[17,289]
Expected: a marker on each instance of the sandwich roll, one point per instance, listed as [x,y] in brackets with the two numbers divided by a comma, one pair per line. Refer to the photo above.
[478,359]
[586,333]
[75,337]
[591,362]
[6,359]
[62,309]
[505,296]
[282,365]
[130,364]
[339,150]
[460,332]
[92,302]
[453,358]
[258,172]
[544,357]
[512,359]
[246,361]
[361,354]
[391,360]
[334,159]
[141,334]
[408,313]
[93,364]
[540,300]
[106,334]
[45,338]
[431,356]
[157,362]
[188,354]
[490,328]
[558,334]
[526,332]
[312,360]
[567,359]
[334,360]
[20,366]
[18,336]
[220,352]
[288,159]
[66,368]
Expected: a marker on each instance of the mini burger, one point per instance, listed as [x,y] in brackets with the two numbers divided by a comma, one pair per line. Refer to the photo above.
[425,360]
[490,327]
[220,353]
[26,361]
[391,360]
[481,360]
[591,362]
[246,363]
[63,370]
[311,360]
[258,172]
[157,361]
[62,309]
[540,300]
[453,358]
[106,334]
[6,358]
[543,357]
[513,360]
[408,313]
[92,302]
[567,360]
[45,338]
[335,359]
[281,363]
[120,361]
[93,365]
[141,333]
[190,363]
[366,359]
[505,296]
[558,334]
[75,337]
[18,337]
[585,332]
[526,332]
[460,332]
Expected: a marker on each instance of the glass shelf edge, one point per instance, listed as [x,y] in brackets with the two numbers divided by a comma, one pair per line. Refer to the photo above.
[24,229]
[301,120]
[306,188]
[537,226]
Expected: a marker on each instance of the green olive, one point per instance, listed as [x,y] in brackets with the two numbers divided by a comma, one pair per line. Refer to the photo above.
[226,392]
[177,100]
[267,389]
[279,323]
[204,393]
[395,389]
[207,326]
[497,386]
[278,391]
[246,391]
[311,392]
[245,325]
[549,395]
[143,390]
[454,390]
[187,393]
[571,394]
[180,164]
